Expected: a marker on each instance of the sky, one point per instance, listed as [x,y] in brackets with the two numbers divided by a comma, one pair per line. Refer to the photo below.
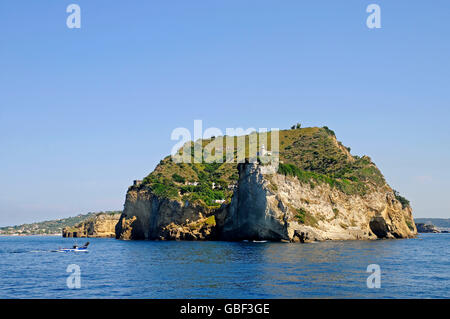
[84,112]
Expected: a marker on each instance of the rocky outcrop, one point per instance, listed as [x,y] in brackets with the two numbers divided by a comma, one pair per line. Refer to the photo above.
[269,206]
[426,228]
[281,208]
[147,216]
[101,225]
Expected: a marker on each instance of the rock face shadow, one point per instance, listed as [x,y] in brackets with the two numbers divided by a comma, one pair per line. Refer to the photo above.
[379,227]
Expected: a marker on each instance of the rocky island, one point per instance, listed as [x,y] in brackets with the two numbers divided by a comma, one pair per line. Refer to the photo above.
[319,191]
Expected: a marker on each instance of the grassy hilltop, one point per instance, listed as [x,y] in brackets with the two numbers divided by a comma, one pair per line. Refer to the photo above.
[312,154]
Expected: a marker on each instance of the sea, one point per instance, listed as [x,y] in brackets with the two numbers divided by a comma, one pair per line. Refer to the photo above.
[30,267]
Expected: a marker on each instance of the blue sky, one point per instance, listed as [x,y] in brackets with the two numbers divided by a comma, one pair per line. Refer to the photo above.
[85,111]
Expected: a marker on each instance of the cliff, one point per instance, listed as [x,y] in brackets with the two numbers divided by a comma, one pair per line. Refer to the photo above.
[100,225]
[279,207]
[148,216]
[319,191]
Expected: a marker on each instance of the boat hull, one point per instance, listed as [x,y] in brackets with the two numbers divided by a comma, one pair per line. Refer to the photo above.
[69,250]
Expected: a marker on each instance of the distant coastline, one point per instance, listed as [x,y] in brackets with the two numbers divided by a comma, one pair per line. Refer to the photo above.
[42,228]
[49,227]
[440,223]
[31,235]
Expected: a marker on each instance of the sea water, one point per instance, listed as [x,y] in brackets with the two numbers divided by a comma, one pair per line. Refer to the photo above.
[410,268]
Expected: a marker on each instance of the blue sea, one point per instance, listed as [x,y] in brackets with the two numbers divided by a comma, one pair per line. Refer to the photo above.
[410,268]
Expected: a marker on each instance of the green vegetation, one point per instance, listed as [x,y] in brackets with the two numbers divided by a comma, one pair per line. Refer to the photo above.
[304,217]
[409,224]
[329,132]
[346,185]
[202,192]
[177,178]
[194,182]
[311,154]
[162,187]
[315,156]
[401,199]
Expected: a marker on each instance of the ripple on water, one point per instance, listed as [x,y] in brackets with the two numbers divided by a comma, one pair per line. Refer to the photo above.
[416,268]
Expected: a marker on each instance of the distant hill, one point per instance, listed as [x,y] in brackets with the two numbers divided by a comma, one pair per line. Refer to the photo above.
[438,222]
[49,227]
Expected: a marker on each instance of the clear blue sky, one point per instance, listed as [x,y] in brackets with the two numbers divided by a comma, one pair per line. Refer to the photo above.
[84,112]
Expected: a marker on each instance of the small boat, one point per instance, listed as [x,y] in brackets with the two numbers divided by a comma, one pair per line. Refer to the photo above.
[75,248]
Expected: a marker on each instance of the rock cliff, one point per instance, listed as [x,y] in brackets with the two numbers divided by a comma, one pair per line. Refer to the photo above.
[281,208]
[318,192]
[101,225]
[148,216]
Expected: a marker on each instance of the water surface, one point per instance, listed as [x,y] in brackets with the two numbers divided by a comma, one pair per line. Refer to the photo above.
[411,268]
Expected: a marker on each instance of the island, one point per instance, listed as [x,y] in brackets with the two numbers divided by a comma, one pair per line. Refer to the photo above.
[317,190]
